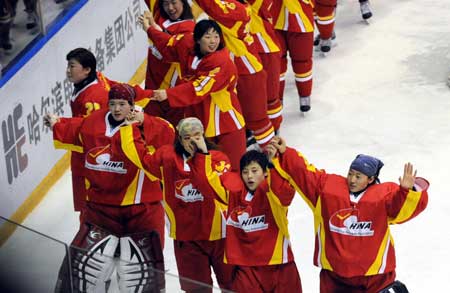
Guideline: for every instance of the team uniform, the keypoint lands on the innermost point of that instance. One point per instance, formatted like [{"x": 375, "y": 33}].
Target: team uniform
[
  {"x": 161, "y": 74},
  {"x": 294, "y": 26},
  {"x": 84, "y": 100},
  {"x": 261, "y": 27},
  {"x": 234, "y": 20},
  {"x": 123, "y": 206},
  {"x": 208, "y": 92},
  {"x": 345, "y": 225},
  {"x": 90, "y": 96},
  {"x": 194, "y": 220},
  {"x": 257, "y": 239}
]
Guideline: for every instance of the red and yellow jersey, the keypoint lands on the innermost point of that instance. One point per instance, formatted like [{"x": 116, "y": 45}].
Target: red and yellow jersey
[
  {"x": 234, "y": 20},
  {"x": 293, "y": 15},
  {"x": 92, "y": 97},
  {"x": 112, "y": 178},
  {"x": 162, "y": 74},
  {"x": 257, "y": 226},
  {"x": 209, "y": 90},
  {"x": 261, "y": 26},
  {"x": 191, "y": 214},
  {"x": 352, "y": 236}
]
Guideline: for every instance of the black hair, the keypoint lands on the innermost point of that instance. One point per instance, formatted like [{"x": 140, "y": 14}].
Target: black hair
[
  {"x": 86, "y": 59},
  {"x": 254, "y": 156},
  {"x": 187, "y": 12},
  {"x": 201, "y": 28}
]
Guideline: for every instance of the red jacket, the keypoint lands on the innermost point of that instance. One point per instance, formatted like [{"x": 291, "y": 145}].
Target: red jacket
[
  {"x": 209, "y": 90},
  {"x": 191, "y": 214},
  {"x": 257, "y": 226},
  {"x": 352, "y": 238},
  {"x": 113, "y": 178}
]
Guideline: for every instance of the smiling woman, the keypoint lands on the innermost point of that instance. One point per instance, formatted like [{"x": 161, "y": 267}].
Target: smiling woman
[{"x": 209, "y": 90}]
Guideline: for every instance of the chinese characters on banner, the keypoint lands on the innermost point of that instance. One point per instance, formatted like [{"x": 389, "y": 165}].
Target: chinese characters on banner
[{"x": 21, "y": 130}]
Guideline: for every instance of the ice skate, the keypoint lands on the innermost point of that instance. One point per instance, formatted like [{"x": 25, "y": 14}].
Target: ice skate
[
  {"x": 324, "y": 45},
  {"x": 366, "y": 12},
  {"x": 305, "y": 104}
]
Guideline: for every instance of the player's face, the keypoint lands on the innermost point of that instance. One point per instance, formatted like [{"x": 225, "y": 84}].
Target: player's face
[
  {"x": 209, "y": 42},
  {"x": 173, "y": 8},
  {"x": 75, "y": 72},
  {"x": 119, "y": 109},
  {"x": 357, "y": 181},
  {"x": 188, "y": 137},
  {"x": 253, "y": 175}
]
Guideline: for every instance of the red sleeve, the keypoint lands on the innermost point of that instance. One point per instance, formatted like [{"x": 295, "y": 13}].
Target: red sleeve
[
  {"x": 281, "y": 188},
  {"x": 402, "y": 204},
  {"x": 173, "y": 48},
  {"x": 157, "y": 131},
  {"x": 305, "y": 177},
  {"x": 207, "y": 171},
  {"x": 135, "y": 150},
  {"x": 66, "y": 134},
  {"x": 211, "y": 76}
]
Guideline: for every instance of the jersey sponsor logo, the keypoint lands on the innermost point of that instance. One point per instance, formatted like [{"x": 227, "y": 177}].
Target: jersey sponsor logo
[
  {"x": 186, "y": 192},
  {"x": 99, "y": 159},
  {"x": 241, "y": 218},
  {"x": 346, "y": 222}
]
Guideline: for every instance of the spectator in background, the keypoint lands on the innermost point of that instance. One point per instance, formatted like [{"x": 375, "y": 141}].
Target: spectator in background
[{"x": 6, "y": 15}]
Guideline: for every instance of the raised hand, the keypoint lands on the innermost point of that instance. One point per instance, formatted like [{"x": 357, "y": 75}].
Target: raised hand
[
  {"x": 279, "y": 143},
  {"x": 409, "y": 176},
  {"x": 50, "y": 120},
  {"x": 271, "y": 151},
  {"x": 200, "y": 143}
]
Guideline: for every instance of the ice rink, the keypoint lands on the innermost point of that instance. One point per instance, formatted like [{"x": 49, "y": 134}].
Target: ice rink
[{"x": 380, "y": 91}]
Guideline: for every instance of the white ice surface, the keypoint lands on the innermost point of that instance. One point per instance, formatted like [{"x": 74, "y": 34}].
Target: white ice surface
[{"x": 380, "y": 91}]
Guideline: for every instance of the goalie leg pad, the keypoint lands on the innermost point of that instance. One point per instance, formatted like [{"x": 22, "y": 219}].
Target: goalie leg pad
[
  {"x": 396, "y": 287},
  {"x": 141, "y": 265},
  {"x": 92, "y": 260}
]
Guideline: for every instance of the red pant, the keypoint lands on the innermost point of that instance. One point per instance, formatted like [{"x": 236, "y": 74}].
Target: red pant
[
  {"x": 233, "y": 145},
  {"x": 332, "y": 283},
  {"x": 125, "y": 220},
  {"x": 325, "y": 11},
  {"x": 271, "y": 63},
  {"x": 272, "y": 278},
  {"x": 300, "y": 47},
  {"x": 194, "y": 261}
]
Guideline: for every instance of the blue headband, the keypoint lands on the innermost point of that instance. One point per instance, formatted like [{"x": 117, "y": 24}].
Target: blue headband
[{"x": 367, "y": 165}]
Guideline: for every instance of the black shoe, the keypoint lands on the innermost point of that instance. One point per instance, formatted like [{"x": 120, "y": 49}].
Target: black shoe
[{"x": 7, "y": 46}]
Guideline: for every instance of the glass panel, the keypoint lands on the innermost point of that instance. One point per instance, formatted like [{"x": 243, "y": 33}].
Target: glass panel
[
  {"x": 170, "y": 282},
  {"x": 29, "y": 260},
  {"x": 24, "y": 23}
]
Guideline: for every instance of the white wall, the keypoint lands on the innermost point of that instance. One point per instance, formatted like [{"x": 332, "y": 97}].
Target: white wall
[{"x": 109, "y": 29}]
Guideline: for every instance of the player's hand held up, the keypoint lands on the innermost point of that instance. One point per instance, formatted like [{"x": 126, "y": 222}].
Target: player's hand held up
[
  {"x": 409, "y": 176},
  {"x": 279, "y": 143},
  {"x": 200, "y": 144}
]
